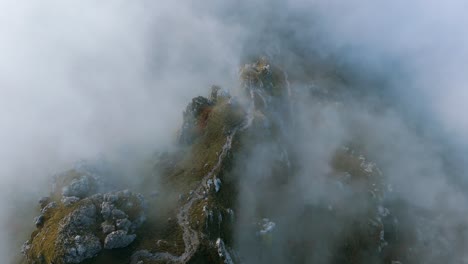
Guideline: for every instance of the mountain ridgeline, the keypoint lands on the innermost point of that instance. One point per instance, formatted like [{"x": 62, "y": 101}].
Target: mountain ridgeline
[{"x": 242, "y": 185}]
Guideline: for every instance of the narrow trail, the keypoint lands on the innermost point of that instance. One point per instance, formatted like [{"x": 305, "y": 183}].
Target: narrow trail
[{"x": 192, "y": 237}]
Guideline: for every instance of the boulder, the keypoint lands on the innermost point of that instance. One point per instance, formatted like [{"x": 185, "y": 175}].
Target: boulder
[
  {"x": 118, "y": 239},
  {"x": 78, "y": 187},
  {"x": 81, "y": 247},
  {"x": 69, "y": 231}
]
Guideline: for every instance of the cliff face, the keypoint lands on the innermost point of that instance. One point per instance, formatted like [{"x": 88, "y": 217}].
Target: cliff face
[
  {"x": 196, "y": 216},
  {"x": 215, "y": 130}
]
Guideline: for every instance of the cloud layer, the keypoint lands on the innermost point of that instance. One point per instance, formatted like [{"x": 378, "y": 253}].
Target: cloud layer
[{"x": 82, "y": 78}]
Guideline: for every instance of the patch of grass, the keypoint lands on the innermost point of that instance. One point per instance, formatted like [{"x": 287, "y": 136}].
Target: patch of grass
[
  {"x": 43, "y": 240},
  {"x": 180, "y": 173},
  {"x": 203, "y": 154}
]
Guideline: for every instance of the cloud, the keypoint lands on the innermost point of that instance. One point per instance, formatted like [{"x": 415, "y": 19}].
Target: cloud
[{"x": 81, "y": 78}]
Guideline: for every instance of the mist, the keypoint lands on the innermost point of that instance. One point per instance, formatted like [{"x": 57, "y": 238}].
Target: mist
[{"x": 82, "y": 79}]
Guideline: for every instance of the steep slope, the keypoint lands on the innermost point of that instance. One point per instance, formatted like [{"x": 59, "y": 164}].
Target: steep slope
[{"x": 196, "y": 214}]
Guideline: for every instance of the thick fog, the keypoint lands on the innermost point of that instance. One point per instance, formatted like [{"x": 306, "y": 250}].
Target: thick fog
[{"x": 81, "y": 79}]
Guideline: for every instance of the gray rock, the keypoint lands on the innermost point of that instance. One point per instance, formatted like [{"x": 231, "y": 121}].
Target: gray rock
[
  {"x": 111, "y": 197},
  {"x": 39, "y": 221},
  {"x": 77, "y": 233},
  {"x": 79, "y": 187},
  {"x": 118, "y": 239},
  {"x": 83, "y": 217},
  {"x": 123, "y": 224},
  {"x": 118, "y": 214},
  {"x": 223, "y": 253},
  {"x": 48, "y": 207},
  {"x": 81, "y": 248},
  {"x": 97, "y": 198},
  {"x": 107, "y": 227},
  {"x": 44, "y": 201},
  {"x": 25, "y": 247},
  {"x": 214, "y": 93},
  {"x": 106, "y": 209},
  {"x": 188, "y": 131},
  {"x": 67, "y": 201}
]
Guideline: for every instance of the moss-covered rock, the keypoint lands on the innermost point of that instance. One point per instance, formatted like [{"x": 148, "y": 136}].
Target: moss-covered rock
[{"x": 72, "y": 233}]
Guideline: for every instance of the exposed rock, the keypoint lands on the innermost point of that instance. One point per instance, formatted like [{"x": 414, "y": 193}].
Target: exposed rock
[
  {"x": 214, "y": 93},
  {"x": 266, "y": 226},
  {"x": 84, "y": 180},
  {"x": 201, "y": 224},
  {"x": 110, "y": 197},
  {"x": 79, "y": 187},
  {"x": 44, "y": 201},
  {"x": 25, "y": 247},
  {"x": 195, "y": 117},
  {"x": 83, "y": 217},
  {"x": 107, "y": 227},
  {"x": 217, "y": 184},
  {"x": 78, "y": 226},
  {"x": 118, "y": 239},
  {"x": 67, "y": 201},
  {"x": 123, "y": 224},
  {"x": 197, "y": 105},
  {"x": 81, "y": 247},
  {"x": 48, "y": 207},
  {"x": 106, "y": 210},
  {"x": 222, "y": 252},
  {"x": 39, "y": 220},
  {"x": 118, "y": 214}
]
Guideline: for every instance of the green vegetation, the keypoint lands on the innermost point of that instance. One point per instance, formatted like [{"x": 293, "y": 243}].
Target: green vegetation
[
  {"x": 44, "y": 244},
  {"x": 208, "y": 123}
]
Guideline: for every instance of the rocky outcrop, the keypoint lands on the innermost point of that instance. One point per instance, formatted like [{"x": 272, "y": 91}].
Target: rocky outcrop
[
  {"x": 193, "y": 212},
  {"x": 74, "y": 228},
  {"x": 118, "y": 239},
  {"x": 194, "y": 117},
  {"x": 89, "y": 219},
  {"x": 75, "y": 238}
]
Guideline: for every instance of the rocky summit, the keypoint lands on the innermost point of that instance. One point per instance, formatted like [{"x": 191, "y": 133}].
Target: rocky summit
[
  {"x": 200, "y": 203},
  {"x": 77, "y": 222}
]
